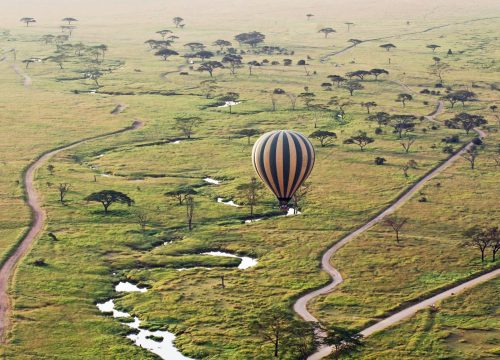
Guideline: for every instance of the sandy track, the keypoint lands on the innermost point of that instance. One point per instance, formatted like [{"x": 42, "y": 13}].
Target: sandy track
[
  {"x": 26, "y": 79},
  {"x": 37, "y": 224},
  {"x": 327, "y": 56},
  {"x": 300, "y": 306}
]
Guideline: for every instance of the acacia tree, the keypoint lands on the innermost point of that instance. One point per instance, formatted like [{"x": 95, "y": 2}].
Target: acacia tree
[
  {"x": 251, "y": 191},
  {"x": 396, "y": 223},
  {"x": 166, "y": 53},
  {"x": 327, "y": 31},
  {"x": 252, "y": 38},
  {"x": 109, "y": 197},
  {"x": 63, "y": 189},
  {"x": 368, "y": 105},
  {"x": 433, "y": 47},
  {"x": 248, "y": 133},
  {"x": 378, "y": 72},
  {"x": 325, "y": 137},
  {"x": 381, "y": 118},
  {"x": 411, "y": 164},
  {"x": 352, "y": 86},
  {"x": 470, "y": 154},
  {"x": 336, "y": 78},
  {"x": 482, "y": 239},
  {"x": 251, "y": 64},
  {"x": 230, "y": 99},
  {"x": 403, "y": 98},
  {"x": 208, "y": 86},
  {"x": 69, "y": 20},
  {"x": 343, "y": 341},
  {"x": 303, "y": 338},
  {"x": 309, "y": 16},
  {"x": 181, "y": 193},
  {"x": 190, "y": 204},
  {"x": 495, "y": 241},
  {"x": 402, "y": 124},
  {"x": 388, "y": 47},
  {"x": 300, "y": 195},
  {"x": 293, "y": 99},
  {"x": 164, "y": 33},
  {"x": 204, "y": 54},
  {"x": 142, "y": 219},
  {"x": 234, "y": 62},
  {"x": 349, "y": 24},
  {"x": 222, "y": 44},
  {"x": 465, "y": 121},
  {"x": 273, "y": 326},
  {"x": 186, "y": 124},
  {"x": 210, "y": 66},
  {"x": 361, "y": 139},
  {"x": 408, "y": 142},
  {"x": 28, "y": 20},
  {"x": 438, "y": 69},
  {"x": 177, "y": 21},
  {"x": 195, "y": 46},
  {"x": 49, "y": 38}
]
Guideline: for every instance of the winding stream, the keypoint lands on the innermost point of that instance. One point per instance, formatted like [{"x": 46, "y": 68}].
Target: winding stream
[{"x": 160, "y": 342}]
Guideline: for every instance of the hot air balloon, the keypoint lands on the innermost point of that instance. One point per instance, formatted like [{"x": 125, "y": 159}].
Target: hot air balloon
[{"x": 283, "y": 159}]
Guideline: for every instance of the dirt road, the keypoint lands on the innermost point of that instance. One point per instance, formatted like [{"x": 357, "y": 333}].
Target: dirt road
[
  {"x": 37, "y": 224},
  {"x": 300, "y": 306}
]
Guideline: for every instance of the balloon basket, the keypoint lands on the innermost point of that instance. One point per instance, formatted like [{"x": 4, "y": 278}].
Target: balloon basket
[{"x": 284, "y": 207}]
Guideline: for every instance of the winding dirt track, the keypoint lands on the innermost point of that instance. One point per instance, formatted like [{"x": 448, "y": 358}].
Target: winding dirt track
[
  {"x": 38, "y": 220},
  {"x": 327, "y": 56},
  {"x": 300, "y": 306}
]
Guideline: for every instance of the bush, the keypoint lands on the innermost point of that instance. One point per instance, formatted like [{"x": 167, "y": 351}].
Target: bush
[
  {"x": 448, "y": 149},
  {"x": 380, "y": 160},
  {"x": 454, "y": 139},
  {"x": 301, "y": 62},
  {"x": 477, "y": 141},
  {"x": 422, "y": 199},
  {"x": 379, "y": 131},
  {"x": 39, "y": 262}
]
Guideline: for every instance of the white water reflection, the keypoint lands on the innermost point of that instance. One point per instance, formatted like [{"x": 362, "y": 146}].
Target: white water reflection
[
  {"x": 164, "y": 348},
  {"x": 211, "y": 181},
  {"x": 291, "y": 212},
  {"x": 246, "y": 262},
  {"x": 229, "y": 103},
  {"x": 249, "y": 221},
  {"x": 230, "y": 203},
  {"x": 129, "y": 287}
]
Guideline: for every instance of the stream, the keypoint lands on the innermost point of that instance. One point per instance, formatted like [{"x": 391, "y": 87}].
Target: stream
[{"x": 160, "y": 342}]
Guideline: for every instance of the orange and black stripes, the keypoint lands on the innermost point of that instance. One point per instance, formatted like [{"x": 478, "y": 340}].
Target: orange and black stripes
[{"x": 283, "y": 159}]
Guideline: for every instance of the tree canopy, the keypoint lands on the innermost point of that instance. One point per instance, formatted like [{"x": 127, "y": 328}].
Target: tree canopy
[
  {"x": 250, "y": 38},
  {"x": 109, "y": 197}
]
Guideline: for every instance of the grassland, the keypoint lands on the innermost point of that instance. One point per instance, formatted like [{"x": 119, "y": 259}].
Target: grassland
[
  {"x": 464, "y": 327},
  {"x": 348, "y": 188}
]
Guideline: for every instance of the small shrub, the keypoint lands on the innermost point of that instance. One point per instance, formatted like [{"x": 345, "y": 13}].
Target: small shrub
[
  {"x": 477, "y": 141},
  {"x": 379, "y": 131},
  {"x": 453, "y": 139},
  {"x": 39, "y": 262},
  {"x": 448, "y": 149},
  {"x": 380, "y": 160},
  {"x": 422, "y": 199}
]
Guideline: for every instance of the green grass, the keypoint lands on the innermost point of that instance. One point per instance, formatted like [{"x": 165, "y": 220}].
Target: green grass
[
  {"x": 464, "y": 327},
  {"x": 54, "y": 306}
]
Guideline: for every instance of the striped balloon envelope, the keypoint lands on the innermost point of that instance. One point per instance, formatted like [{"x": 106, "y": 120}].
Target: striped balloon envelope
[{"x": 283, "y": 159}]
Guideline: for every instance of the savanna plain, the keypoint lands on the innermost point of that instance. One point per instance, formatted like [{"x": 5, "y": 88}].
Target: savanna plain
[{"x": 207, "y": 267}]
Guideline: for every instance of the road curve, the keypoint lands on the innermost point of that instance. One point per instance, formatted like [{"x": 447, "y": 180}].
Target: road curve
[
  {"x": 37, "y": 223},
  {"x": 300, "y": 306}
]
